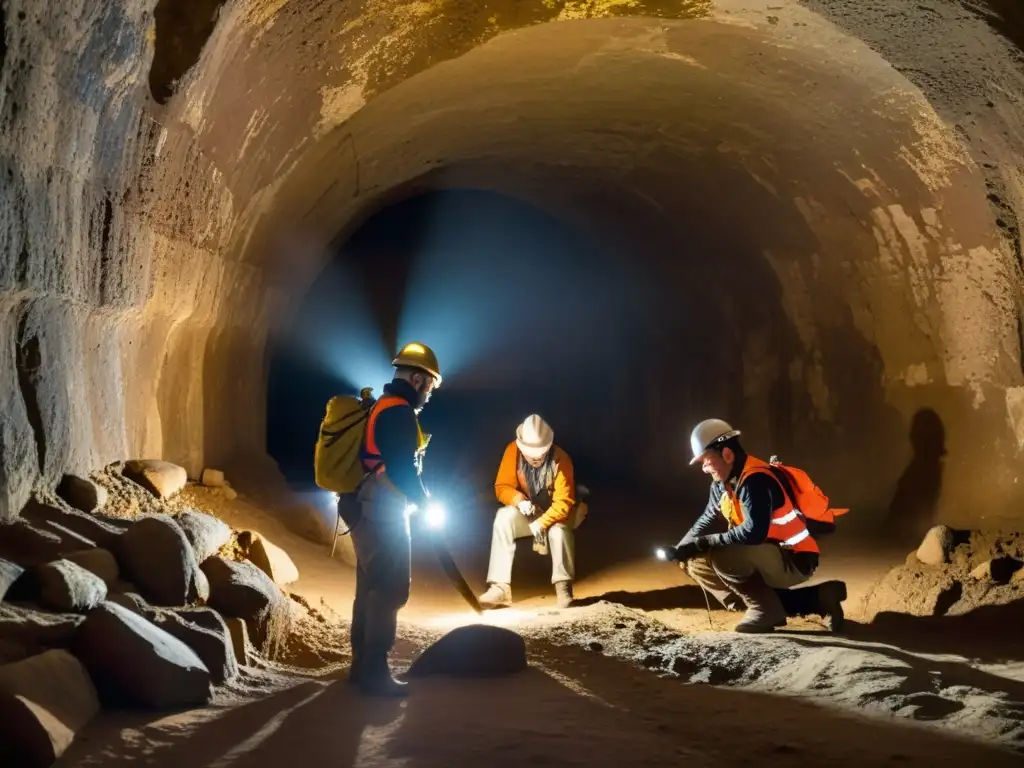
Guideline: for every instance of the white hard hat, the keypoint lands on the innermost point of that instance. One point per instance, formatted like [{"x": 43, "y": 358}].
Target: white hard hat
[
  {"x": 534, "y": 437},
  {"x": 708, "y": 434}
]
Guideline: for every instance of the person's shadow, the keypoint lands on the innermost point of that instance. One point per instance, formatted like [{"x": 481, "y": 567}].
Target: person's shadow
[{"x": 914, "y": 505}]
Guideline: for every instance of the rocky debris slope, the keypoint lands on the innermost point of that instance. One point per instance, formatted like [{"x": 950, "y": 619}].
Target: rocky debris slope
[
  {"x": 113, "y": 590},
  {"x": 955, "y": 573}
]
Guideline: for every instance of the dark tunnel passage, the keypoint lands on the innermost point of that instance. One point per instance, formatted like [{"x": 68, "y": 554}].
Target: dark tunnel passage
[{"x": 526, "y": 314}]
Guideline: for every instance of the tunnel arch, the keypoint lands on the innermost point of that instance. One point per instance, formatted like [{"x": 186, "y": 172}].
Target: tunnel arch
[
  {"x": 221, "y": 203},
  {"x": 817, "y": 333}
]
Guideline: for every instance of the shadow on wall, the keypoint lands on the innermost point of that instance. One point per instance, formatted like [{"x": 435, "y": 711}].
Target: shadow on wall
[{"x": 915, "y": 503}]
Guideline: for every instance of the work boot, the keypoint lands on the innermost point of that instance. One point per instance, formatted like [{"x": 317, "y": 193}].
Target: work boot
[
  {"x": 823, "y": 600},
  {"x": 375, "y": 678},
  {"x": 497, "y": 596},
  {"x": 764, "y": 609},
  {"x": 563, "y": 593},
  {"x": 355, "y": 668}
]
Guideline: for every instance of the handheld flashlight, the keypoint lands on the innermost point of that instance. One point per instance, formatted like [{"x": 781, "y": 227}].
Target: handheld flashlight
[
  {"x": 434, "y": 516},
  {"x": 661, "y": 554}
]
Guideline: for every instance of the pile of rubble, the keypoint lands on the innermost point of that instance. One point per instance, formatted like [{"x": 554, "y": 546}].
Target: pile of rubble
[
  {"x": 952, "y": 573},
  {"x": 146, "y": 604}
]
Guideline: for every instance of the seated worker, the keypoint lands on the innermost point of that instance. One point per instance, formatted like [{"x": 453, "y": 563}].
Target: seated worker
[
  {"x": 535, "y": 485},
  {"x": 767, "y": 549}
]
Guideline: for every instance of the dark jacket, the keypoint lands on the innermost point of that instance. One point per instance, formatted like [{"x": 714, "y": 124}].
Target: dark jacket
[
  {"x": 398, "y": 440},
  {"x": 759, "y": 496}
]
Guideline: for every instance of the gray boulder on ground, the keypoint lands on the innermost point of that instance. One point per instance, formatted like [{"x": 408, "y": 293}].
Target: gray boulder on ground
[
  {"x": 204, "y": 532},
  {"x": 82, "y": 494},
  {"x": 936, "y": 546},
  {"x": 213, "y": 646},
  {"x": 65, "y": 586},
  {"x": 98, "y": 561},
  {"x": 161, "y": 478},
  {"x": 135, "y": 603},
  {"x": 155, "y": 555},
  {"x": 244, "y": 591},
  {"x": 135, "y": 662},
  {"x": 9, "y": 573},
  {"x": 477, "y": 650},
  {"x": 45, "y": 701}
]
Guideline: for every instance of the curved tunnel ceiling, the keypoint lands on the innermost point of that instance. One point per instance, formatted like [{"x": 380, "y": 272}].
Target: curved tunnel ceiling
[{"x": 852, "y": 242}]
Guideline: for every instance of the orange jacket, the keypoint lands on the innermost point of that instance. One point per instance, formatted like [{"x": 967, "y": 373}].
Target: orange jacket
[{"x": 510, "y": 486}]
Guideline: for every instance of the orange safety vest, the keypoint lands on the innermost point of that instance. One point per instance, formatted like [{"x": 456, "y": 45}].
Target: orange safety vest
[
  {"x": 787, "y": 528},
  {"x": 373, "y": 462}
]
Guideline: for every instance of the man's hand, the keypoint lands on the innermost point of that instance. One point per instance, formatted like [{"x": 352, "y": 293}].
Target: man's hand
[
  {"x": 691, "y": 548},
  {"x": 540, "y": 533},
  {"x": 525, "y": 507}
]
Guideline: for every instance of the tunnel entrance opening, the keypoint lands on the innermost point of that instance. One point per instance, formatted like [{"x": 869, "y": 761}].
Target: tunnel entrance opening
[{"x": 525, "y": 313}]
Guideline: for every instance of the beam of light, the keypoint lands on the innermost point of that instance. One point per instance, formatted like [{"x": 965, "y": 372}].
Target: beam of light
[
  {"x": 501, "y": 292},
  {"x": 336, "y": 327},
  {"x": 503, "y": 617}
]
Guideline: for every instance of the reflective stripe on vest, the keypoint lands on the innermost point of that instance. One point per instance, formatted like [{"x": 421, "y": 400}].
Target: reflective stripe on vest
[
  {"x": 372, "y": 460},
  {"x": 787, "y": 528}
]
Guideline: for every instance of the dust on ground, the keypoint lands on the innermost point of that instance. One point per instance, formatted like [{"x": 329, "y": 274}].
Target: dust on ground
[{"x": 640, "y": 666}]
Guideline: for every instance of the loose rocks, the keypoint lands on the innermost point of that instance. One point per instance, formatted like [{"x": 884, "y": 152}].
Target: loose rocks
[
  {"x": 44, "y": 701},
  {"x": 155, "y": 555},
  {"x": 936, "y": 546},
  {"x": 243, "y": 590},
  {"x": 65, "y": 586},
  {"x": 135, "y": 662},
  {"x": 213, "y": 646},
  {"x": 272, "y": 560},
  {"x": 161, "y": 478},
  {"x": 82, "y": 494},
  {"x": 98, "y": 561},
  {"x": 204, "y": 532}
]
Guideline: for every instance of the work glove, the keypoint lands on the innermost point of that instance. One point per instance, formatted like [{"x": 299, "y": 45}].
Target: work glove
[
  {"x": 525, "y": 507},
  {"x": 540, "y": 533},
  {"x": 690, "y": 548}
]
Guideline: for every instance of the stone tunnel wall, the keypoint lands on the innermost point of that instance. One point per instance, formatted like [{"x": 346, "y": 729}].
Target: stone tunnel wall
[{"x": 136, "y": 285}]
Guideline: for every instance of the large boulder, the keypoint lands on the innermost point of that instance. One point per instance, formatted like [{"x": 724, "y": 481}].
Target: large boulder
[
  {"x": 270, "y": 558},
  {"x": 9, "y": 573},
  {"x": 204, "y": 532},
  {"x": 477, "y": 650},
  {"x": 135, "y": 662},
  {"x": 79, "y": 530},
  {"x": 36, "y": 630},
  {"x": 65, "y": 586},
  {"x": 161, "y": 478},
  {"x": 26, "y": 544},
  {"x": 211, "y": 641},
  {"x": 82, "y": 494},
  {"x": 155, "y": 555},
  {"x": 244, "y": 591},
  {"x": 45, "y": 701},
  {"x": 98, "y": 561},
  {"x": 937, "y": 545}
]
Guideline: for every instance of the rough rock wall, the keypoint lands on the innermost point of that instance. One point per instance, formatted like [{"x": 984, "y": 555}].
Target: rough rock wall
[{"x": 140, "y": 249}]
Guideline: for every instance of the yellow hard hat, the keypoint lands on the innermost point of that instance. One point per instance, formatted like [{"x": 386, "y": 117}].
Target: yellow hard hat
[{"x": 416, "y": 355}]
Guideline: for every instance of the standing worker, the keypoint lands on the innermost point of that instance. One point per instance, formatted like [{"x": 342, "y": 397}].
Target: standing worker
[
  {"x": 535, "y": 485},
  {"x": 768, "y": 548},
  {"x": 391, "y": 455}
]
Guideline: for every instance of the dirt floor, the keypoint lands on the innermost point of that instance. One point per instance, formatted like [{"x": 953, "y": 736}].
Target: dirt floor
[{"x": 637, "y": 673}]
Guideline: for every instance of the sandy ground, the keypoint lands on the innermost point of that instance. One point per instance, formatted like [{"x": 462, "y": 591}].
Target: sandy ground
[{"x": 633, "y": 675}]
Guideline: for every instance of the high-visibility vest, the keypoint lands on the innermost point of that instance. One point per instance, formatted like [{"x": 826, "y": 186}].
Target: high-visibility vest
[{"x": 787, "y": 529}]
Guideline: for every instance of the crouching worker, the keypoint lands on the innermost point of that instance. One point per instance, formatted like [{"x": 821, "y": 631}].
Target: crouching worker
[
  {"x": 768, "y": 548},
  {"x": 535, "y": 485}
]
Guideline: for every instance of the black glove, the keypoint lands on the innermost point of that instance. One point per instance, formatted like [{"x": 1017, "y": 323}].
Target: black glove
[{"x": 690, "y": 548}]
